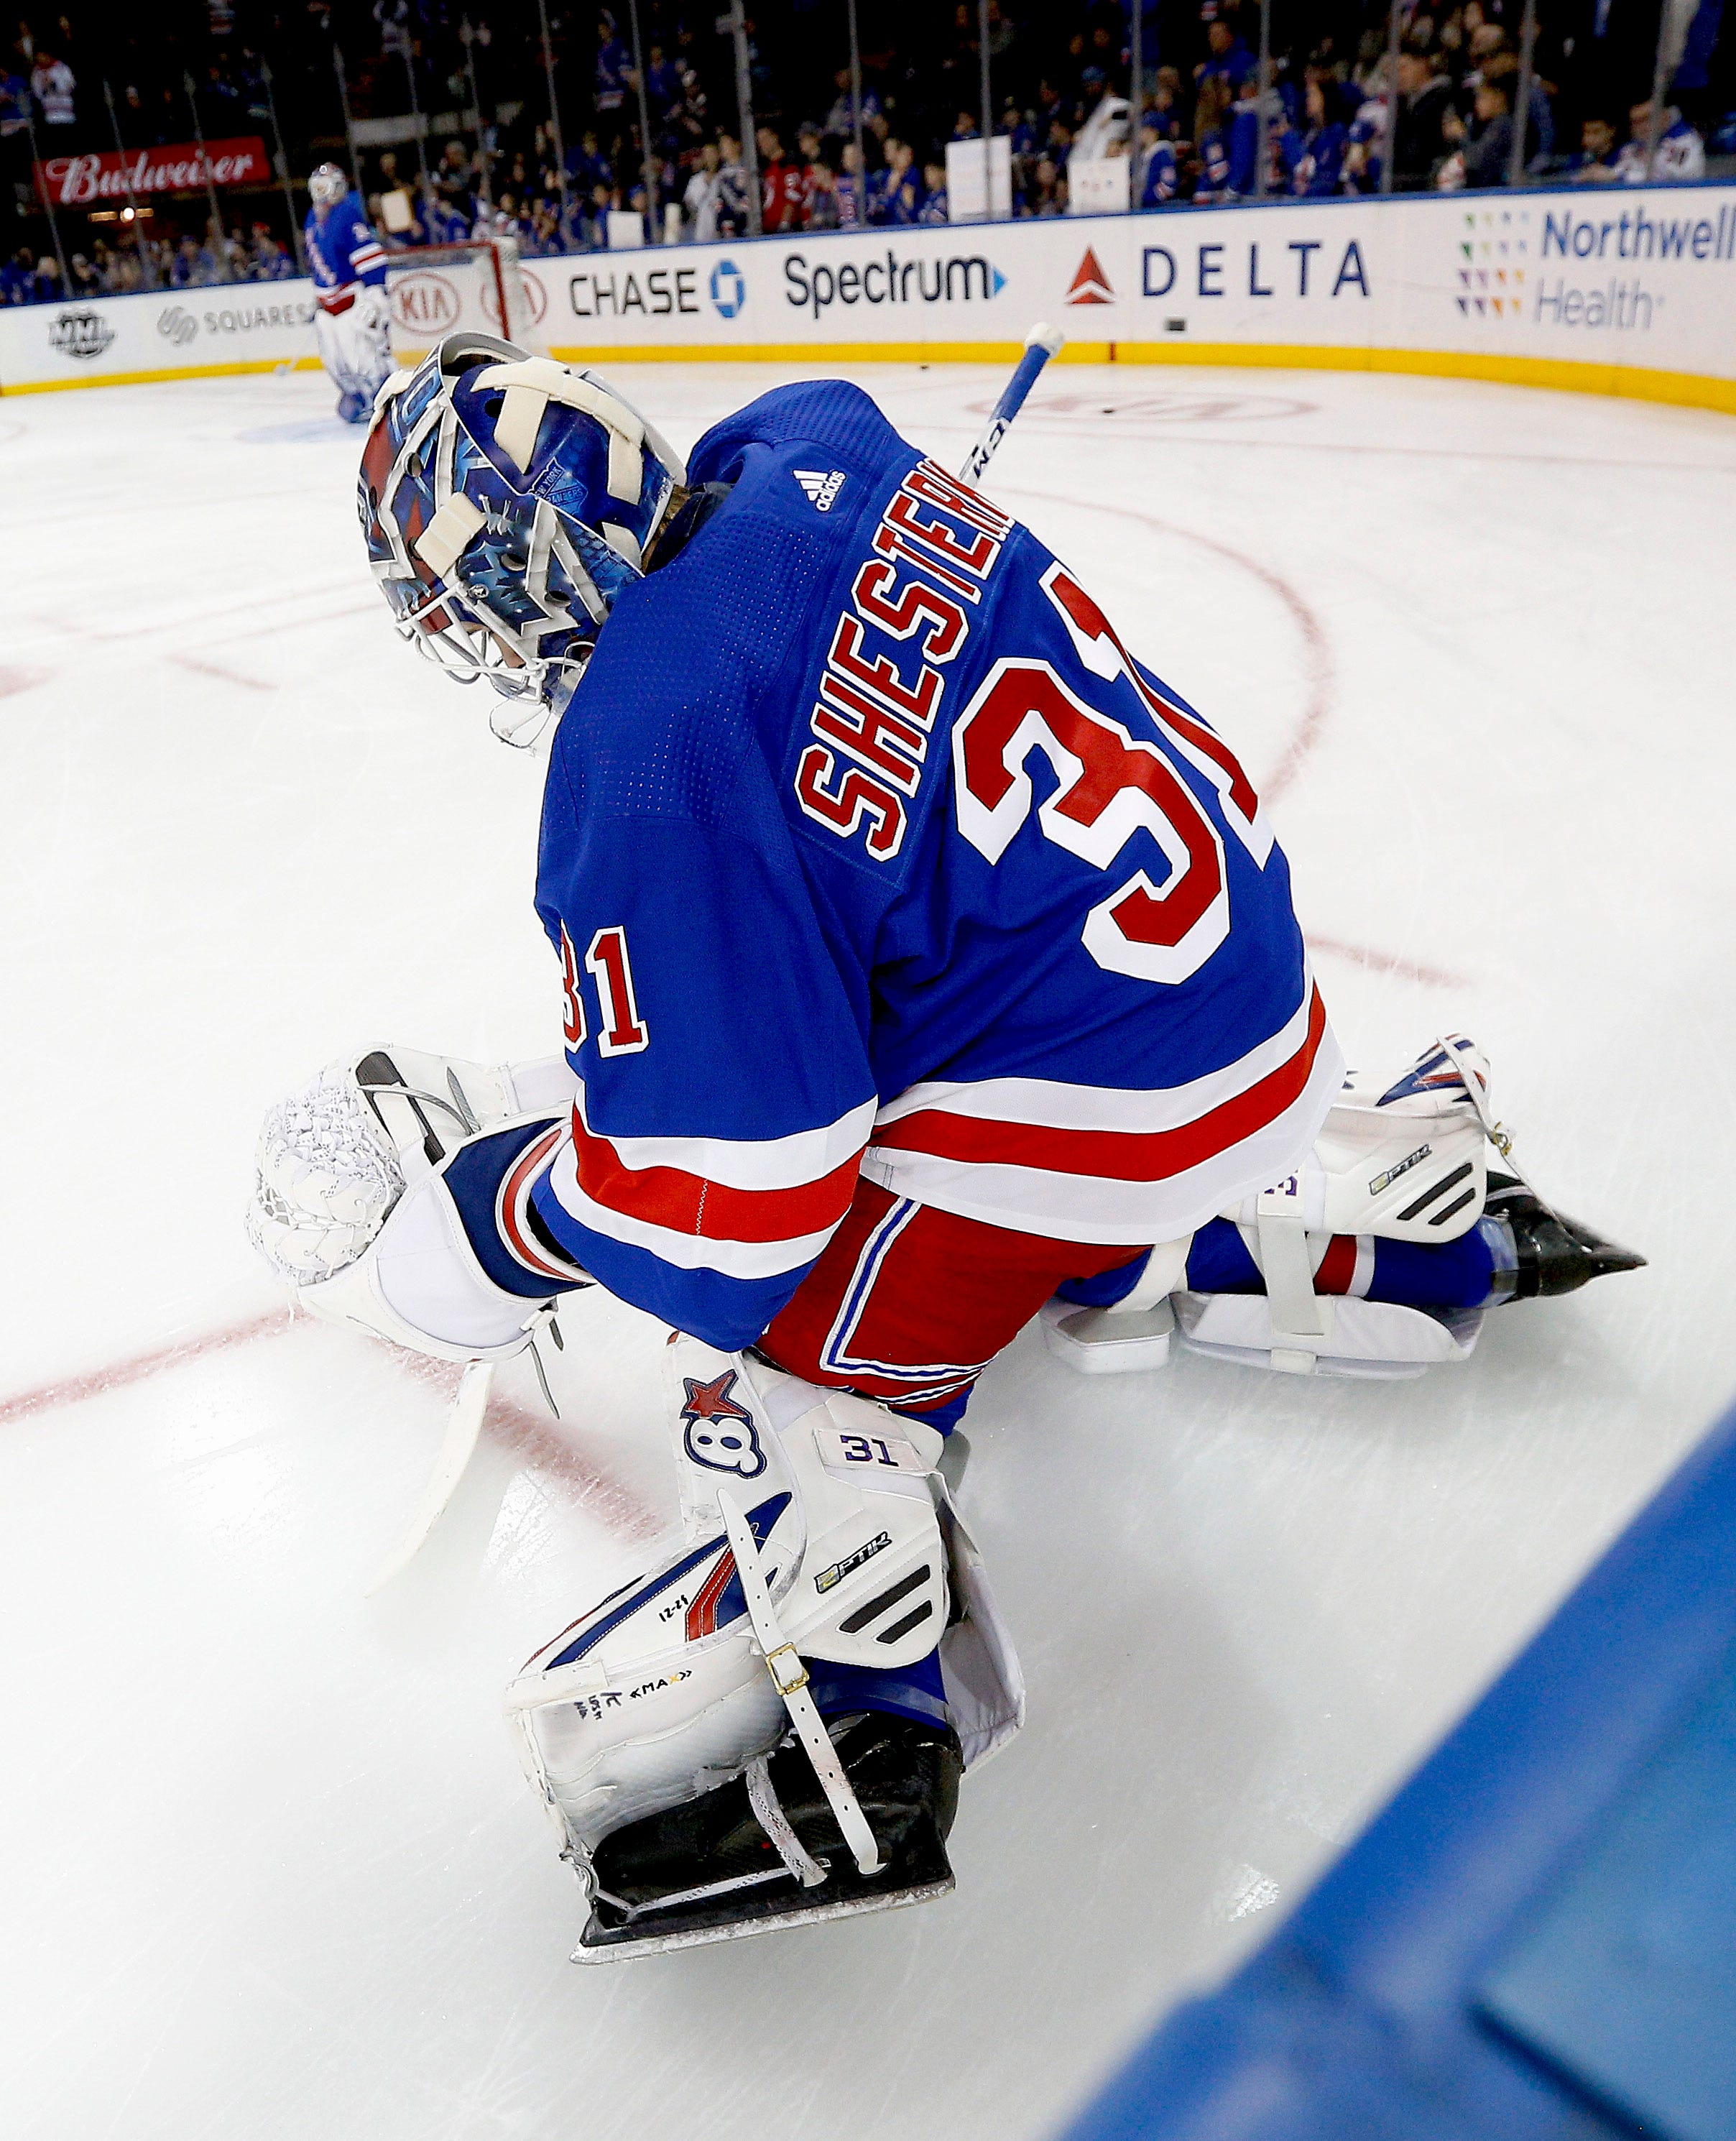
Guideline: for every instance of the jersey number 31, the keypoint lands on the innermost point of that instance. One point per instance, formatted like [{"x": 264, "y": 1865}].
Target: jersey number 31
[{"x": 1110, "y": 785}]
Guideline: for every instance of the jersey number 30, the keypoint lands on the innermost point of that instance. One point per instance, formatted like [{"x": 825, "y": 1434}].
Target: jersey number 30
[{"x": 1110, "y": 785}]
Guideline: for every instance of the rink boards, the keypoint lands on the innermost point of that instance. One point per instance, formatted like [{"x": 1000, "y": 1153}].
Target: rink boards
[{"x": 1604, "y": 290}]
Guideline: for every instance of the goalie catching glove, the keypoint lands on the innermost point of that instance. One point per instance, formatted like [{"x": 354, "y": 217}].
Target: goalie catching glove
[{"x": 393, "y": 1194}]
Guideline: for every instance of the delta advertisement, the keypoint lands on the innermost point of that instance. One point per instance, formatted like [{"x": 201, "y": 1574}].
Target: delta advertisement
[{"x": 1613, "y": 289}]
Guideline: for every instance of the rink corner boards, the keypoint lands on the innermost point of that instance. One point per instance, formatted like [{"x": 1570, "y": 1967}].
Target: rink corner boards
[
  {"x": 1631, "y": 382},
  {"x": 161, "y": 376}
]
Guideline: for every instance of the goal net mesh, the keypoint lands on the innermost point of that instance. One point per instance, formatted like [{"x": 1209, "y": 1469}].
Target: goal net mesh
[{"x": 475, "y": 284}]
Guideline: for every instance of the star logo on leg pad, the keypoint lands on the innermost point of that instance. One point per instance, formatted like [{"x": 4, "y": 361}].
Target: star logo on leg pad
[{"x": 720, "y": 1433}]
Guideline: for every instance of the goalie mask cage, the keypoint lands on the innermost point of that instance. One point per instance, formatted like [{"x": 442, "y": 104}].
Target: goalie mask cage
[{"x": 476, "y": 283}]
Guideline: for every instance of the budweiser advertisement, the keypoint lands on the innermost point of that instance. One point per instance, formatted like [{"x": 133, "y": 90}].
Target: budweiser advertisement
[{"x": 113, "y": 174}]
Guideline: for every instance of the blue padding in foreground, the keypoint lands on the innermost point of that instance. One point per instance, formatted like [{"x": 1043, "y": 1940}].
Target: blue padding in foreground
[
  {"x": 1535, "y": 1938},
  {"x": 1627, "y": 1977}
]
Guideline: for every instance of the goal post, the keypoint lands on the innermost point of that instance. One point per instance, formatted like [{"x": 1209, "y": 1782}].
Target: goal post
[{"x": 476, "y": 283}]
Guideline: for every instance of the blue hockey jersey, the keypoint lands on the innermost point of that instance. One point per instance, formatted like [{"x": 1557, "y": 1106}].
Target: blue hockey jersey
[
  {"x": 342, "y": 251},
  {"x": 867, "y": 848}
]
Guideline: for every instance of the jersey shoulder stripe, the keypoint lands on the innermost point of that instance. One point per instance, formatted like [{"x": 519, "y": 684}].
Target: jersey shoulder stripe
[{"x": 1108, "y": 1185}]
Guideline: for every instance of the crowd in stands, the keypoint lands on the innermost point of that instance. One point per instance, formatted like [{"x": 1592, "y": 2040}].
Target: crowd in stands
[{"x": 1323, "y": 118}]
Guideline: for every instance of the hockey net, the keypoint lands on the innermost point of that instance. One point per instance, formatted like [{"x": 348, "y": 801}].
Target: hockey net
[{"x": 477, "y": 283}]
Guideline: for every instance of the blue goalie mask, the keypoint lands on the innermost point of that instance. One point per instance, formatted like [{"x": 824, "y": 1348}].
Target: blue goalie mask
[{"x": 507, "y": 500}]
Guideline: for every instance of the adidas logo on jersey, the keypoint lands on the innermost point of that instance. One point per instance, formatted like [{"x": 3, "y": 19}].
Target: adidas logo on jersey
[{"x": 821, "y": 488}]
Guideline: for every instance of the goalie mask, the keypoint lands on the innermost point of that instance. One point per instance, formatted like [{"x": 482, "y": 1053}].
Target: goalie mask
[
  {"x": 327, "y": 187},
  {"x": 506, "y": 501}
]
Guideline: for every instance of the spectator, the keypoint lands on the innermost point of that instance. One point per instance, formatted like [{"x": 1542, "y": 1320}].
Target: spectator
[
  {"x": 699, "y": 202},
  {"x": 1487, "y": 153},
  {"x": 1211, "y": 115},
  {"x": 1366, "y": 146},
  {"x": 219, "y": 101},
  {"x": 14, "y": 107},
  {"x": 1163, "y": 104},
  {"x": 841, "y": 120},
  {"x": 18, "y": 278},
  {"x": 1598, "y": 160},
  {"x": 613, "y": 72},
  {"x": 848, "y": 187},
  {"x": 272, "y": 263},
  {"x": 52, "y": 86},
  {"x": 823, "y": 210},
  {"x": 1154, "y": 172},
  {"x": 780, "y": 185},
  {"x": 1242, "y": 141},
  {"x": 1681, "y": 153},
  {"x": 1311, "y": 156},
  {"x": 1229, "y": 60},
  {"x": 902, "y": 202},
  {"x": 1048, "y": 195},
  {"x": 451, "y": 177},
  {"x": 662, "y": 83},
  {"x": 732, "y": 196},
  {"x": 586, "y": 164},
  {"x": 1425, "y": 97},
  {"x": 934, "y": 208}
]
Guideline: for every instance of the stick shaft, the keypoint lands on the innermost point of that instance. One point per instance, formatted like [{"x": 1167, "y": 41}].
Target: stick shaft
[{"x": 1040, "y": 344}]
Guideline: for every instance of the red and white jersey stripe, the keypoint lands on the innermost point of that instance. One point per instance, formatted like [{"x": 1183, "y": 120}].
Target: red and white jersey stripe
[
  {"x": 1102, "y": 1164},
  {"x": 749, "y": 1208}
]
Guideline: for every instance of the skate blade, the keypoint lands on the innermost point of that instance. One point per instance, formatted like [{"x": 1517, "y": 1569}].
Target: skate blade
[{"x": 854, "y": 1907}]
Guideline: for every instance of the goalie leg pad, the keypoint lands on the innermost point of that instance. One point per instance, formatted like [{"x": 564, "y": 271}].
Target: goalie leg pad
[{"x": 663, "y": 1693}]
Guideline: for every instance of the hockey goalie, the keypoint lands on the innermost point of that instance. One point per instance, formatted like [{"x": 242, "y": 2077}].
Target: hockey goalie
[{"x": 926, "y": 964}]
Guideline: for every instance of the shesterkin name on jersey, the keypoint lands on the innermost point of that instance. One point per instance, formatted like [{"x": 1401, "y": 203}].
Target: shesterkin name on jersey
[{"x": 932, "y": 555}]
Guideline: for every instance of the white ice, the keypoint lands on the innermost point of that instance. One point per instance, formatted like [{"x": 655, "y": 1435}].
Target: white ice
[{"x": 268, "y": 1863}]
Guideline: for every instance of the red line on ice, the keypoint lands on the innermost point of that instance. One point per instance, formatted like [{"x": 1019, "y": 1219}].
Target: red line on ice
[
  {"x": 73, "y": 1389},
  {"x": 516, "y": 1427},
  {"x": 1386, "y": 962}
]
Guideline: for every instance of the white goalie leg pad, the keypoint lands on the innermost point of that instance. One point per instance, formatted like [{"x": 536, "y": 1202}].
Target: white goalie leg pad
[
  {"x": 350, "y": 1206},
  {"x": 1381, "y": 1339},
  {"x": 663, "y": 1690},
  {"x": 864, "y": 1527},
  {"x": 355, "y": 347},
  {"x": 1404, "y": 1160}
]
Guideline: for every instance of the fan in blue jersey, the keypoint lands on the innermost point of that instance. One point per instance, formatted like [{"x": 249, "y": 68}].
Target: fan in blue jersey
[
  {"x": 353, "y": 321},
  {"x": 926, "y": 964}
]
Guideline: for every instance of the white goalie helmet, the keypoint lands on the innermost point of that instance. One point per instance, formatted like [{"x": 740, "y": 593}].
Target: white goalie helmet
[
  {"x": 506, "y": 501},
  {"x": 327, "y": 186}
]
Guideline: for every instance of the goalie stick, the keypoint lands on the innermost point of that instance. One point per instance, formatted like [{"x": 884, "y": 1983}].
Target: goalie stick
[{"x": 1042, "y": 342}]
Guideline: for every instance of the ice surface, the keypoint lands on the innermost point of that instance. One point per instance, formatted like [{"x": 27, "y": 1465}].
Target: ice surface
[{"x": 269, "y": 1866}]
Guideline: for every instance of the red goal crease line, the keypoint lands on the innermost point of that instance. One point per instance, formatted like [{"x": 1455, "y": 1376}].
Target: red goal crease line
[
  {"x": 139, "y": 1367},
  {"x": 612, "y": 1499}
]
